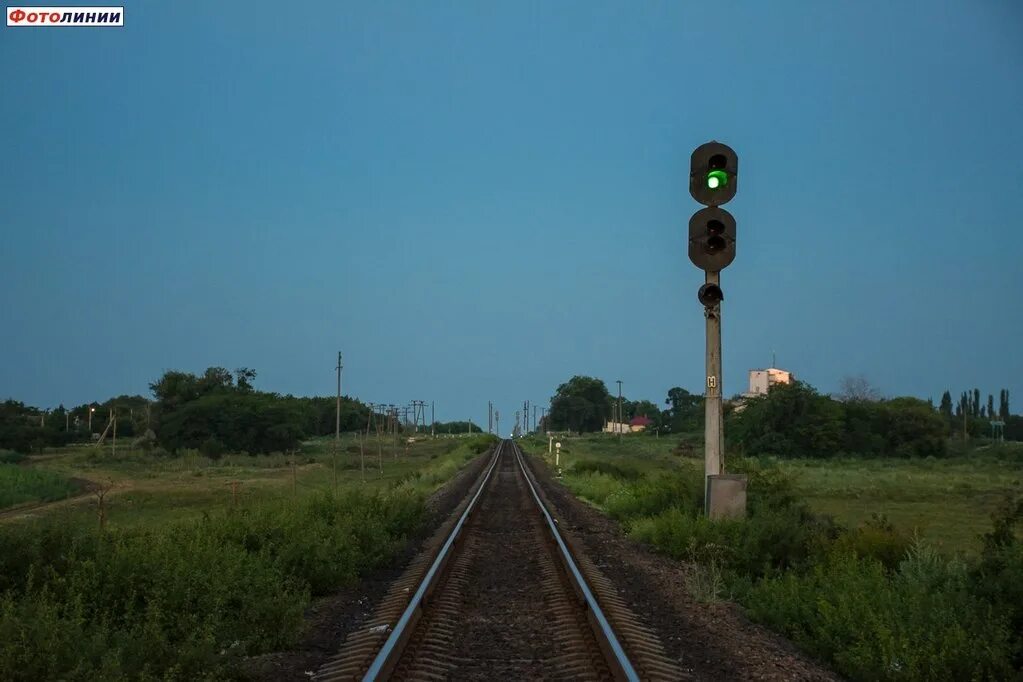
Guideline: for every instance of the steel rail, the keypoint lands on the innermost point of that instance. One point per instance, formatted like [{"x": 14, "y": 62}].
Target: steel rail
[
  {"x": 398, "y": 633},
  {"x": 606, "y": 631}
]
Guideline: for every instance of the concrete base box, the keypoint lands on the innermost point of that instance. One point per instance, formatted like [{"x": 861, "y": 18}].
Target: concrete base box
[{"x": 726, "y": 496}]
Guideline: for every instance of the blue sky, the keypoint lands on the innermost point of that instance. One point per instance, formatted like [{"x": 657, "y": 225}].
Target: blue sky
[{"x": 475, "y": 201}]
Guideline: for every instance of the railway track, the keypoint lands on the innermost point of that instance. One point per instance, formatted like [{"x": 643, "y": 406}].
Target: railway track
[{"x": 499, "y": 593}]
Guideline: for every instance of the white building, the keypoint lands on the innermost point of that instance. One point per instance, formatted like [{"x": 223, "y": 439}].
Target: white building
[
  {"x": 616, "y": 427},
  {"x": 761, "y": 380}
]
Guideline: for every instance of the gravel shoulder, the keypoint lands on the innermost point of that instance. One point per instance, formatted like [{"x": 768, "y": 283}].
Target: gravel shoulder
[{"x": 710, "y": 641}]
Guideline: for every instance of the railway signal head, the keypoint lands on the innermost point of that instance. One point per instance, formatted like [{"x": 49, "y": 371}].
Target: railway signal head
[
  {"x": 710, "y": 295},
  {"x": 713, "y": 179},
  {"x": 713, "y": 174},
  {"x": 712, "y": 239}
]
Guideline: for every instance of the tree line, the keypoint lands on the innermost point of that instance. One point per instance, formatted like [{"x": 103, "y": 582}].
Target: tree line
[
  {"x": 220, "y": 411},
  {"x": 583, "y": 404},
  {"x": 796, "y": 420},
  {"x": 969, "y": 416},
  {"x": 216, "y": 411}
]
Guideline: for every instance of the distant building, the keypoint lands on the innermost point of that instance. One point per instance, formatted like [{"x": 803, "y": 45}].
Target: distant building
[
  {"x": 761, "y": 380},
  {"x": 616, "y": 427},
  {"x": 640, "y": 423},
  {"x": 760, "y": 383}
]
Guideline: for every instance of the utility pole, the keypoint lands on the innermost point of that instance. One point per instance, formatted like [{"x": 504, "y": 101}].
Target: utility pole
[
  {"x": 362, "y": 456},
  {"x": 337, "y": 421},
  {"x": 534, "y": 417},
  {"x": 490, "y": 416},
  {"x": 497, "y": 423},
  {"x": 433, "y": 421},
  {"x": 394, "y": 433},
  {"x": 713, "y": 179},
  {"x": 380, "y": 442},
  {"x": 618, "y": 424}
]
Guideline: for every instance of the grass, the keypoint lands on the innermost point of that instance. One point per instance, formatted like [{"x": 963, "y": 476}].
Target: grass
[
  {"x": 869, "y": 598},
  {"x": 186, "y": 579},
  {"x": 20, "y": 485},
  {"x": 947, "y": 502},
  {"x": 148, "y": 489},
  {"x": 186, "y": 599}
]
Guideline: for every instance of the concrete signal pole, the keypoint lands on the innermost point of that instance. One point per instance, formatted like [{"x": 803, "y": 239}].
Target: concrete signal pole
[
  {"x": 713, "y": 428},
  {"x": 337, "y": 420}
]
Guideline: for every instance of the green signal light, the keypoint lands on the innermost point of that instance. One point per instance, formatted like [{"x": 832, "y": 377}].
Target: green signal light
[{"x": 717, "y": 179}]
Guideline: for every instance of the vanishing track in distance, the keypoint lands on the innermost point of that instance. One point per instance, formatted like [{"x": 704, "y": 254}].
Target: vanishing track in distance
[{"x": 499, "y": 594}]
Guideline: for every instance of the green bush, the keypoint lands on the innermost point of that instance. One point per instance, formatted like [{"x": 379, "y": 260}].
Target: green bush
[
  {"x": 593, "y": 486},
  {"x": 480, "y": 444},
  {"x": 998, "y": 575},
  {"x": 625, "y": 473},
  {"x": 188, "y": 600},
  {"x": 212, "y": 448},
  {"x": 151, "y": 603},
  {"x": 764, "y": 544},
  {"x": 876, "y": 539},
  {"x": 685, "y": 535},
  {"x": 793, "y": 420},
  {"x": 652, "y": 495},
  {"x": 768, "y": 486},
  {"x": 922, "y": 623},
  {"x": 11, "y": 457}
]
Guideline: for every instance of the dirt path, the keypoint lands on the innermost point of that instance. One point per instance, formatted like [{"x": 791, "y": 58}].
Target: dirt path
[{"x": 85, "y": 489}]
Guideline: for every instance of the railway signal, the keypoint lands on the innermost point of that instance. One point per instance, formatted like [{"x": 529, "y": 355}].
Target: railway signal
[
  {"x": 713, "y": 181},
  {"x": 712, "y": 239},
  {"x": 713, "y": 174}
]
